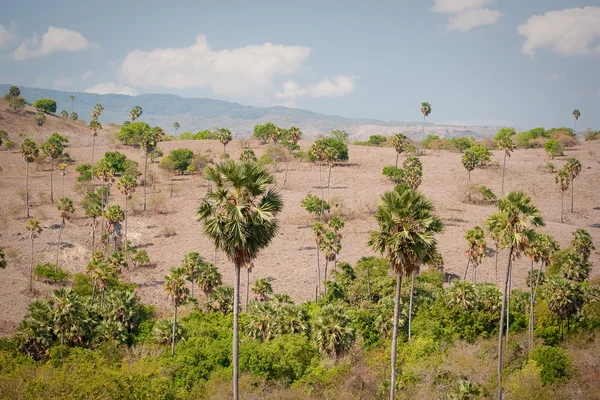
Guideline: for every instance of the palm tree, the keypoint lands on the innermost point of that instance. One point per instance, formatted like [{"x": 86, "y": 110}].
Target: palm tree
[
  {"x": 274, "y": 134},
  {"x": 93, "y": 269},
  {"x": 126, "y": 186},
  {"x": 239, "y": 216},
  {"x": 331, "y": 246},
  {"x": 576, "y": 115},
  {"x": 148, "y": 142},
  {"x": 34, "y": 228},
  {"x": 294, "y": 134},
  {"x": 208, "y": 277},
  {"x": 29, "y": 152},
  {"x": 135, "y": 113},
  {"x": 401, "y": 144},
  {"x": 191, "y": 264},
  {"x": 249, "y": 269},
  {"x": 65, "y": 206},
  {"x": 262, "y": 289},
  {"x": 318, "y": 152},
  {"x": 62, "y": 167},
  {"x": 106, "y": 274},
  {"x": 93, "y": 211},
  {"x": 318, "y": 231},
  {"x": 413, "y": 172},
  {"x": 176, "y": 126},
  {"x": 333, "y": 332},
  {"x": 94, "y": 127},
  {"x": 407, "y": 225},
  {"x": 178, "y": 293},
  {"x": 564, "y": 297},
  {"x": 66, "y": 310},
  {"x": 72, "y": 101},
  {"x": 476, "y": 249},
  {"x": 425, "y": 110},
  {"x": 573, "y": 167},
  {"x": 113, "y": 217},
  {"x": 562, "y": 179},
  {"x": 508, "y": 146},
  {"x": 511, "y": 222},
  {"x": 53, "y": 147},
  {"x": 224, "y": 136},
  {"x": 582, "y": 244}
]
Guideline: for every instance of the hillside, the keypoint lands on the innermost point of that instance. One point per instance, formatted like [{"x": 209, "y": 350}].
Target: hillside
[{"x": 194, "y": 114}]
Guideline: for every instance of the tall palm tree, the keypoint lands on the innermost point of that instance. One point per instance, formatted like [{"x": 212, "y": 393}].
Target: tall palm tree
[
  {"x": 413, "y": 172},
  {"x": 94, "y": 270},
  {"x": 573, "y": 166},
  {"x": 407, "y": 225},
  {"x": 239, "y": 216},
  {"x": 94, "y": 211},
  {"x": 401, "y": 144},
  {"x": 475, "y": 250},
  {"x": 330, "y": 246},
  {"x": 126, "y": 186},
  {"x": 148, "y": 142},
  {"x": 515, "y": 214},
  {"x": 66, "y": 311},
  {"x": 72, "y": 101},
  {"x": 176, "y": 126},
  {"x": 249, "y": 269},
  {"x": 113, "y": 218},
  {"x": 53, "y": 147},
  {"x": 582, "y": 243},
  {"x": 318, "y": 231},
  {"x": 34, "y": 228},
  {"x": 294, "y": 134},
  {"x": 331, "y": 156},
  {"x": 29, "y": 152},
  {"x": 318, "y": 152},
  {"x": 274, "y": 134},
  {"x": 135, "y": 113},
  {"x": 508, "y": 146},
  {"x": 191, "y": 263},
  {"x": 563, "y": 179},
  {"x": 178, "y": 293},
  {"x": 95, "y": 126},
  {"x": 65, "y": 206},
  {"x": 576, "y": 115},
  {"x": 425, "y": 110}
]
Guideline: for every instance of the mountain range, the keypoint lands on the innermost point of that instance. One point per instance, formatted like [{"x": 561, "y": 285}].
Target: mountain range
[{"x": 194, "y": 114}]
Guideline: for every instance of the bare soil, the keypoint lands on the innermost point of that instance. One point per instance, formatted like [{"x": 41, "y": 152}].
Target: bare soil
[{"x": 169, "y": 230}]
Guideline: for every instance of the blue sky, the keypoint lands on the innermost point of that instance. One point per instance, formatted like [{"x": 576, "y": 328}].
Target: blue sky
[{"x": 511, "y": 62}]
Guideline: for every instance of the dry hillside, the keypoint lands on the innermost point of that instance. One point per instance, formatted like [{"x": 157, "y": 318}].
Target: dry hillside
[{"x": 169, "y": 230}]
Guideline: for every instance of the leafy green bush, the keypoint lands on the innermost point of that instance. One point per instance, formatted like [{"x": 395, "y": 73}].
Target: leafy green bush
[
  {"x": 314, "y": 205},
  {"x": 376, "y": 140},
  {"x": 181, "y": 158},
  {"x": 592, "y": 135},
  {"x": 141, "y": 259},
  {"x": 132, "y": 133},
  {"x": 553, "y": 148},
  {"x": 48, "y": 272},
  {"x": 45, "y": 105},
  {"x": 553, "y": 362}
]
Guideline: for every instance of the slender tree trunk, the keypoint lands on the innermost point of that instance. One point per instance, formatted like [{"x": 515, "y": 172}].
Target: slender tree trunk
[
  {"x": 127, "y": 245},
  {"x": 467, "y": 269},
  {"x": 320, "y": 184},
  {"x": 318, "y": 271},
  {"x": 171, "y": 184},
  {"x": 496, "y": 267},
  {"x": 474, "y": 273},
  {"x": 508, "y": 301},
  {"x": 287, "y": 167},
  {"x": 63, "y": 185},
  {"x": 247, "y": 287},
  {"x": 236, "y": 308},
  {"x": 31, "y": 269},
  {"x": 93, "y": 238},
  {"x": 326, "y": 266},
  {"x": 58, "y": 245},
  {"x": 410, "y": 305},
  {"x": 501, "y": 328},
  {"x": 51, "y": 180},
  {"x": 395, "y": 335},
  {"x": 396, "y": 169},
  {"x": 503, "y": 167},
  {"x": 369, "y": 282},
  {"x": 328, "y": 186},
  {"x": 27, "y": 188},
  {"x": 572, "y": 195},
  {"x": 146, "y": 178},
  {"x": 93, "y": 148},
  {"x": 562, "y": 204},
  {"x": 530, "y": 327},
  {"x": 224, "y": 148},
  {"x": 174, "y": 328}
]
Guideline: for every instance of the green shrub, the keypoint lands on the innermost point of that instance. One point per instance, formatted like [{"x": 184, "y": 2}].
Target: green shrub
[
  {"x": 376, "y": 140},
  {"x": 391, "y": 171},
  {"x": 592, "y": 135},
  {"x": 82, "y": 284},
  {"x": 204, "y": 135},
  {"x": 141, "y": 259},
  {"x": 313, "y": 204},
  {"x": 553, "y": 363},
  {"x": 47, "y": 272},
  {"x": 553, "y": 148},
  {"x": 45, "y": 105}
]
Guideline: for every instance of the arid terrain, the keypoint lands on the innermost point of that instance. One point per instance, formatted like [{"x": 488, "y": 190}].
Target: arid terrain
[{"x": 169, "y": 230}]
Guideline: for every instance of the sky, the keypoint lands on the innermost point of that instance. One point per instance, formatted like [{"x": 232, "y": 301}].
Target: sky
[{"x": 521, "y": 63}]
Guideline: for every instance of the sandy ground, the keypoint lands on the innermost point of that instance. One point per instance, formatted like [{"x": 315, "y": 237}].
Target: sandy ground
[{"x": 290, "y": 261}]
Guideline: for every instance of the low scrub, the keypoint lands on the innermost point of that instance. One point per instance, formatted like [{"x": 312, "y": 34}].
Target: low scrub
[{"x": 49, "y": 273}]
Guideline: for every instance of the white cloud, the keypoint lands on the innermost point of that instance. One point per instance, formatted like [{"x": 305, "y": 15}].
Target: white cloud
[
  {"x": 87, "y": 75},
  {"x": 455, "y": 6},
  {"x": 340, "y": 86},
  {"x": 56, "y": 39},
  {"x": 111, "y": 87},
  {"x": 237, "y": 71},
  {"x": 573, "y": 31},
  {"x": 467, "y": 20},
  {"x": 7, "y": 35}
]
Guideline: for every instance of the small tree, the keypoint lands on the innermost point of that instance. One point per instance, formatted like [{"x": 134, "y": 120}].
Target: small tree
[
  {"x": 34, "y": 228},
  {"x": 425, "y": 110},
  {"x": 333, "y": 331},
  {"x": 178, "y": 294},
  {"x": 576, "y": 115},
  {"x": 314, "y": 205},
  {"x": 29, "y": 152},
  {"x": 401, "y": 144},
  {"x": 113, "y": 218},
  {"x": 45, "y": 105},
  {"x": 176, "y": 126},
  {"x": 553, "y": 148},
  {"x": 224, "y": 136},
  {"x": 562, "y": 179},
  {"x": 476, "y": 250},
  {"x": 65, "y": 206},
  {"x": 262, "y": 289},
  {"x": 506, "y": 144},
  {"x": 135, "y": 113},
  {"x": 39, "y": 118},
  {"x": 74, "y": 116},
  {"x": 53, "y": 147},
  {"x": 208, "y": 277},
  {"x": 191, "y": 264},
  {"x": 127, "y": 185},
  {"x": 182, "y": 159}
]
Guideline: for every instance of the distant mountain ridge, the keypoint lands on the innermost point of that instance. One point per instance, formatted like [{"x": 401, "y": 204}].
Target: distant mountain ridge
[{"x": 194, "y": 114}]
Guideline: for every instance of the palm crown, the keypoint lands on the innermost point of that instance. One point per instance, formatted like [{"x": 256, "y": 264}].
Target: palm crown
[{"x": 425, "y": 108}]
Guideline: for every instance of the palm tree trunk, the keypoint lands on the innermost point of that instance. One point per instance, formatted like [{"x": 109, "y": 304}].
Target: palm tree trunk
[
  {"x": 58, "y": 245},
  {"x": 287, "y": 167},
  {"x": 410, "y": 304},
  {"x": 562, "y": 204},
  {"x": 93, "y": 238},
  {"x": 395, "y": 335},
  {"x": 146, "y": 178},
  {"x": 496, "y": 267},
  {"x": 396, "y": 169},
  {"x": 63, "y": 185},
  {"x": 320, "y": 184},
  {"x": 501, "y": 329},
  {"x": 236, "y": 308},
  {"x": 318, "y": 271},
  {"x": 31, "y": 269},
  {"x": 467, "y": 269},
  {"x": 328, "y": 186},
  {"x": 51, "y": 180},
  {"x": 247, "y": 287},
  {"x": 62, "y": 336},
  {"x": 326, "y": 266},
  {"x": 503, "y": 167},
  {"x": 530, "y": 325},
  {"x": 174, "y": 328},
  {"x": 508, "y": 301},
  {"x": 474, "y": 273},
  {"x": 27, "y": 187},
  {"x": 93, "y": 148},
  {"x": 572, "y": 195}
]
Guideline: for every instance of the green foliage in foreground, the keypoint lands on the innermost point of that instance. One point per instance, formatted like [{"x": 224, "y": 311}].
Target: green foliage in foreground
[{"x": 49, "y": 272}]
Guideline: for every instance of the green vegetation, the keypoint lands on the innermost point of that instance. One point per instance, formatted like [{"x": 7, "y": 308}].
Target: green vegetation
[
  {"x": 45, "y": 105},
  {"x": 553, "y": 148},
  {"x": 51, "y": 273}
]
